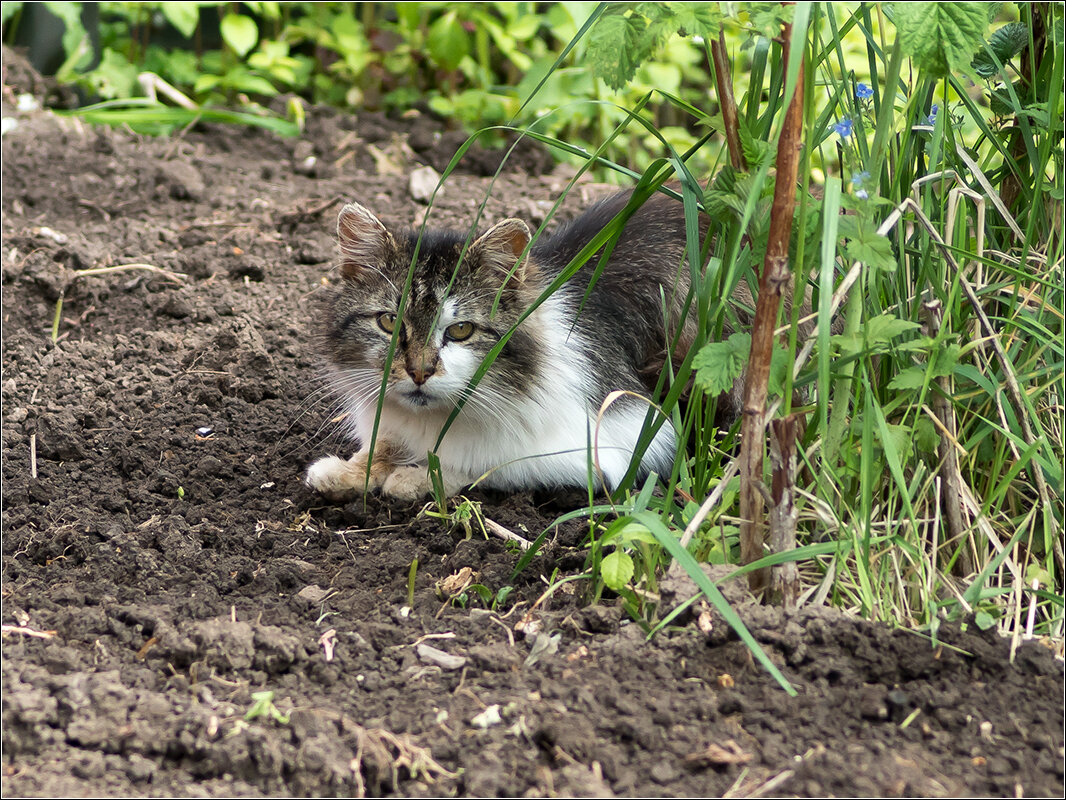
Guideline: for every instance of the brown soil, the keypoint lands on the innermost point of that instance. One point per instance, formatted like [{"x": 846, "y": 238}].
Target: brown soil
[{"x": 177, "y": 573}]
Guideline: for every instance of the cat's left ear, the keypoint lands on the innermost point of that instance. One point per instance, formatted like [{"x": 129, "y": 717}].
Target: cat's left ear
[
  {"x": 363, "y": 239},
  {"x": 501, "y": 247}
]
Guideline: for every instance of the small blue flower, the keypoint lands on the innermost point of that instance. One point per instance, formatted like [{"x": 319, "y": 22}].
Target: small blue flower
[
  {"x": 863, "y": 92},
  {"x": 859, "y": 181},
  {"x": 931, "y": 119},
  {"x": 843, "y": 128}
]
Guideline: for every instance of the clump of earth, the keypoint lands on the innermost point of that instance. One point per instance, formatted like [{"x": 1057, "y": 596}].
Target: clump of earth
[{"x": 182, "y": 616}]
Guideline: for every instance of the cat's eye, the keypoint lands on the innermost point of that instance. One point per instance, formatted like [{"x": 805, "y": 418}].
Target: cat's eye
[
  {"x": 387, "y": 322},
  {"x": 460, "y": 331}
]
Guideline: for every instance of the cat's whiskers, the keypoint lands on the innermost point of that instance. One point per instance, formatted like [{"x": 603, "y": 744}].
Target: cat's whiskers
[
  {"x": 306, "y": 406},
  {"x": 331, "y": 423},
  {"x": 493, "y": 406}
]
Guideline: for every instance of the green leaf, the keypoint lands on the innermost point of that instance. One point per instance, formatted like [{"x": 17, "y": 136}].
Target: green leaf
[
  {"x": 635, "y": 532},
  {"x": 183, "y": 16},
  {"x": 885, "y": 328},
  {"x": 984, "y": 620},
  {"x": 448, "y": 41},
  {"x": 767, "y": 18},
  {"x": 901, "y": 440},
  {"x": 240, "y": 33},
  {"x": 252, "y": 84},
  {"x": 910, "y": 378},
  {"x": 1036, "y": 572},
  {"x": 876, "y": 334},
  {"x": 114, "y": 77},
  {"x": 947, "y": 358},
  {"x": 206, "y": 83},
  {"x": 865, "y": 244},
  {"x": 941, "y": 38},
  {"x": 876, "y": 252},
  {"x": 926, "y": 435},
  {"x": 1006, "y": 43},
  {"x": 613, "y": 47},
  {"x": 697, "y": 19},
  {"x": 616, "y": 569},
  {"x": 780, "y": 364},
  {"x": 756, "y": 151},
  {"x": 351, "y": 40},
  {"x": 718, "y": 364}
]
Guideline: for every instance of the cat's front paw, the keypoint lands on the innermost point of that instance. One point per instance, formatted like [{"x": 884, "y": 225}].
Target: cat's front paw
[
  {"x": 339, "y": 479},
  {"x": 407, "y": 483}
]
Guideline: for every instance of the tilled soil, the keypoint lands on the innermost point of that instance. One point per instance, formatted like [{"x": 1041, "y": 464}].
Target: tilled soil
[{"x": 163, "y": 563}]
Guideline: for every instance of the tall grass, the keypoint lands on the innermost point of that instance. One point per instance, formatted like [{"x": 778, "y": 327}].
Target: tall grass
[{"x": 929, "y": 226}]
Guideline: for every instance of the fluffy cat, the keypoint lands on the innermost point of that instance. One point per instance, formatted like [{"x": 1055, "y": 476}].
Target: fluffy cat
[{"x": 529, "y": 420}]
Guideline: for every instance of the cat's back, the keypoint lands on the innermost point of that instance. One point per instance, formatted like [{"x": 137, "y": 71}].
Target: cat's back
[{"x": 641, "y": 290}]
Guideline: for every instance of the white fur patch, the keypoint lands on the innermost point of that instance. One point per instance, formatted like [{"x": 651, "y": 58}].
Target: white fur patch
[{"x": 336, "y": 478}]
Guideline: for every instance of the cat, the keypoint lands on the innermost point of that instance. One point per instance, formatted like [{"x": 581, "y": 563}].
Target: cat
[{"x": 529, "y": 421}]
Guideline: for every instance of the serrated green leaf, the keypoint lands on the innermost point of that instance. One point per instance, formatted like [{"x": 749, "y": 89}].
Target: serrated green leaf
[
  {"x": 448, "y": 41},
  {"x": 866, "y": 244},
  {"x": 875, "y": 252},
  {"x": 941, "y": 38},
  {"x": 719, "y": 364},
  {"x": 885, "y": 328},
  {"x": 614, "y": 47},
  {"x": 910, "y": 378},
  {"x": 697, "y": 19},
  {"x": 240, "y": 33},
  {"x": 1006, "y": 43},
  {"x": 756, "y": 151},
  {"x": 767, "y": 18},
  {"x": 616, "y": 569},
  {"x": 183, "y": 16},
  {"x": 947, "y": 358}
]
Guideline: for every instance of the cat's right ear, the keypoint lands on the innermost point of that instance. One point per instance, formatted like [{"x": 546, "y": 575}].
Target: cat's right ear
[
  {"x": 365, "y": 243},
  {"x": 501, "y": 247}
]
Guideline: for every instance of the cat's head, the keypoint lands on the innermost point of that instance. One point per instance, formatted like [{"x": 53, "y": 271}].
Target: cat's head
[{"x": 458, "y": 307}]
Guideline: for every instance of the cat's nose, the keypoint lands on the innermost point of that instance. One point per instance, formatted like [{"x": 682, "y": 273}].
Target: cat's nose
[
  {"x": 421, "y": 374},
  {"x": 421, "y": 370}
]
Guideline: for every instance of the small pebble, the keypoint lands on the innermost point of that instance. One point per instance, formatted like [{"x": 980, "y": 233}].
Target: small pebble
[
  {"x": 422, "y": 183},
  {"x": 487, "y": 718},
  {"x": 204, "y": 432},
  {"x": 431, "y": 655}
]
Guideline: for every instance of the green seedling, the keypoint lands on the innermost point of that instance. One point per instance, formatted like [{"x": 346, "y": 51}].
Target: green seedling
[
  {"x": 412, "y": 573},
  {"x": 263, "y": 706}
]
